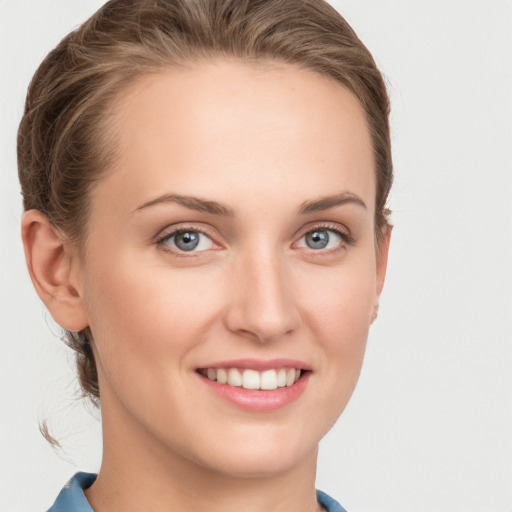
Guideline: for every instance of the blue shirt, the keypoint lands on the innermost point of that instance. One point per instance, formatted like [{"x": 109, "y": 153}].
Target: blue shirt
[{"x": 72, "y": 497}]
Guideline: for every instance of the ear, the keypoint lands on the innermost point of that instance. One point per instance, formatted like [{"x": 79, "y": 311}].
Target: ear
[
  {"x": 382, "y": 264},
  {"x": 52, "y": 264}
]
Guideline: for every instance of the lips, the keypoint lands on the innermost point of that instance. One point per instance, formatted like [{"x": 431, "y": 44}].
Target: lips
[
  {"x": 249, "y": 378},
  {"x": 257, "y": 386}
]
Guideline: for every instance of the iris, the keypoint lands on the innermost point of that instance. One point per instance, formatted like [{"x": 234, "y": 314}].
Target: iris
[
  {"x": 186, "y": 240},
  {"x": 317, "y": 239}
]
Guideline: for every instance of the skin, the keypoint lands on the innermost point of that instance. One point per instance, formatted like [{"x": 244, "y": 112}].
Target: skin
[{"x": 275, "y": 138}]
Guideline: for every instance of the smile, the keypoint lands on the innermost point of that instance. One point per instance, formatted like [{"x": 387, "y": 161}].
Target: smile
[
  {"x": 253, "y": 379},
  {"x": 256, "y": 385}
]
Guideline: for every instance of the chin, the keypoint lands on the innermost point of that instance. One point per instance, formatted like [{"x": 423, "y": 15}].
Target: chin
[{"x": 260, "y": 458}]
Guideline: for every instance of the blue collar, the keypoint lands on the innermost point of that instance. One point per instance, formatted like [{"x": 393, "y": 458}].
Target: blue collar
[{"x": 72, "y": 497}]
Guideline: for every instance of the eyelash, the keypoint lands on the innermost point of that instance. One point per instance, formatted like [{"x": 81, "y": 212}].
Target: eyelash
[
  {"x": 161, "y": 241},
  {"x": 334, "y": 228},
  {"x": 346, "y": 237}
]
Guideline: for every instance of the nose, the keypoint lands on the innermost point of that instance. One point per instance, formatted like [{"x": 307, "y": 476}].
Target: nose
[{"x": 262, "y": 305}]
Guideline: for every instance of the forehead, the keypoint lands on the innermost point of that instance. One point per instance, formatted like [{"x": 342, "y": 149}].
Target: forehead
[{"x": 241, "y": 123}]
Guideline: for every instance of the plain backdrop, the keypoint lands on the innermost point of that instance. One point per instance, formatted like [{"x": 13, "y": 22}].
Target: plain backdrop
[{"x": 429, "y": 427}]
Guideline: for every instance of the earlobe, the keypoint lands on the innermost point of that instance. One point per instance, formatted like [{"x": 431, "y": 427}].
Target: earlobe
[{"x": 50, "y": 263}]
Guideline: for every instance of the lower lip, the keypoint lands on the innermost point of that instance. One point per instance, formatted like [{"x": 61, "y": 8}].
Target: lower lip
[{"x": 259, "y": 400}]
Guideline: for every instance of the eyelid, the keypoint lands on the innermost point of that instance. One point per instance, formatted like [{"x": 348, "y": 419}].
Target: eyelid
[
  {"x": 169, "y": 231},
  {"x": 174, "y": 229},
  {"x": 342, "y": 230}
]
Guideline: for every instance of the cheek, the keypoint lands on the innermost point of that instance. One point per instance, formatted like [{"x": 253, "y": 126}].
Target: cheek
[
  {"x": 339, "y": 302},
  {"x": 147, "y": 322},
  {"x": 339, "y": 309},
  {"x": 147, "y": 312}
]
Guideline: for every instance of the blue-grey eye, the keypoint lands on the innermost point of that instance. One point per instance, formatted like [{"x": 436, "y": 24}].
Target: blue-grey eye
[
  {"x": 317, "y": 239},
  {"x": 188, "y": 241},
  {"x": 321, "y": 239}
]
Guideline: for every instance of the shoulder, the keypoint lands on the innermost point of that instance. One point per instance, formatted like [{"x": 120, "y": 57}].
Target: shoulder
[
  {"x": 72, "y": 497},
  {"x": 330, "y": 504}
]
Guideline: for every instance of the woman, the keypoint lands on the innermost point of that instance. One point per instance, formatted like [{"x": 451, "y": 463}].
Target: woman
[{"x": 205, "y": 188}]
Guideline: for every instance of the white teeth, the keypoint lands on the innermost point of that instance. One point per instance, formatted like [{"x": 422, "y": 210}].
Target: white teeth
[
  {"x": 269, "y": 379},
  {"x": 234, "y": 377},
  {"x": 290, "y": 376},
  {"x": 281, "y": 378},
  {"x": 253, "y": 379},
  {"x": 222, "y": 376}
]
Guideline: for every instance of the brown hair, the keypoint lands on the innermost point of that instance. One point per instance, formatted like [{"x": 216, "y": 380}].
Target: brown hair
[{"x": 64, "y": 145}]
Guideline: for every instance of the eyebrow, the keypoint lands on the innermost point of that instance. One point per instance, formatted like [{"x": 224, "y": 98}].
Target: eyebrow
[
  {"x": 328, "y": 202},
  {"x": 215, "y": 208},
  {"x": 193, "y": 203}
]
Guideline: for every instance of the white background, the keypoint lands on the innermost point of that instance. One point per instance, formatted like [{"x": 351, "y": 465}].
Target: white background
[{"x": 430, "y": 424}]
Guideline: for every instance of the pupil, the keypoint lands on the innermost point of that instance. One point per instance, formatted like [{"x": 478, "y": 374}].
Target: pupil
[
  {"x": 317, "y": 239},
  {"x": 187, "y": 241}
]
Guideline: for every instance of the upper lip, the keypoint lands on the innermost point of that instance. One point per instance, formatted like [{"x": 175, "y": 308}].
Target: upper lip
[{"x": 259, "y": 364}]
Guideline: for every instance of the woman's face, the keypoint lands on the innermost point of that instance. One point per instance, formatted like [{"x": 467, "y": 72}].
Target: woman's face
[{"x": 233, "y": 240}]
